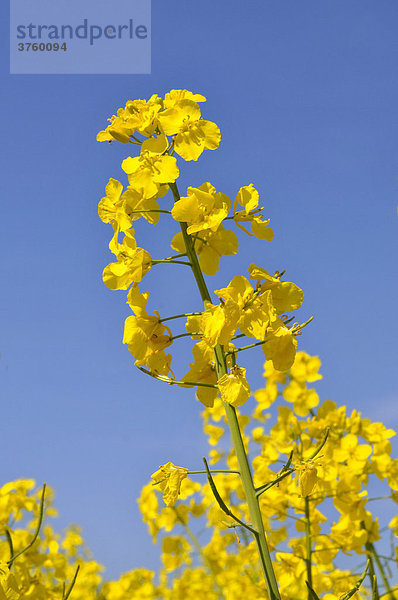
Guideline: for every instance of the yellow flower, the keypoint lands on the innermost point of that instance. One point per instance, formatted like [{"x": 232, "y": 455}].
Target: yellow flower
[
  {"x": 145, "y": 335},
  {"x": 203, "y": 370},
  {"x": 9, "y": 589},
  {"x": 174, "y": 96},
  {"x": 393, "y": 524},
  {"x": 169, "y": 478},
  {"x": 150, "y": 171},
  {"x": 280, "y": 346},
  {"x": 355, "y": 455},
  {"x": 305, "y": 368},
  {"x": 210, "y": 246},
  {"x": 286, "y": 296},
  {"x": 302, "y": 397},
  {"x": 157, "y": 362},
  {"x": 203, "y": 208},
  {"x": 111, "y": 208},
  {"x": 134, "y": 202},
  {"x": 138, "y": 115},
  {"x": 233, "y": 387},
  {"x": 248, "y": 198},
  {"x": 219, "y": 323},
  {"x": 308, "y": 477},
  {"x": 175, "y": 552},
  {"x": 192, "y": 134},
  {"x": 256, "y": 309},
  {"x": 131, "y": 266}
]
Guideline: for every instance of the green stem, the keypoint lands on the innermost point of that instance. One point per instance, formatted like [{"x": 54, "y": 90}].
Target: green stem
[
  {"x": 221, "y": 502},
  {"x": 308, "y": 560},
  {"x": 175, "y": 381},
  {"x": 181, "y": 335},
  {"x": 154, "y": 210},
  {"x": 10, "y": 543},
  {"x": 204, "y": 558},
  {"x": 175, "y": 256},
  {"x": 382, "y": 571},
  {"x": 371, "y": 572},
  {"x": 67, "y": 593},
  {"x": 193, "y": 314},
  {"x": 395, "y": 588},
  {"x": 170, "y": 262},
  {"x": 263, "y": 488},
  {"x": 245, "y": 347},
  {"x": 36, "y": 533},
  {"x": 379, "y": 498},
  {"x": 244, "y": 468},
  {"x": 213, "y": 471}
]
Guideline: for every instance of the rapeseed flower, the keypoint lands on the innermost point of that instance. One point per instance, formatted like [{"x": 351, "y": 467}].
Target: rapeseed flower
[
  {"x": 192, "y": 134},
  {"x": 248, "y": 198},
  {"x": 168, "y": 478},
  {"x": 203, "y": 208},
  {"x": 233, "y": 387},
  {"x": 132, "y": 263}
]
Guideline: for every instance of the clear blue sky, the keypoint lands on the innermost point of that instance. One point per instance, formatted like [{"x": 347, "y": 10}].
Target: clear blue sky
[{"x": 306, "y": 96}]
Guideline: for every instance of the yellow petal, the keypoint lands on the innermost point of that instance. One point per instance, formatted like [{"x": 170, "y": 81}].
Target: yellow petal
[
  {"x": 157, "y": 145},
  {"x": 233, "y": 387}
]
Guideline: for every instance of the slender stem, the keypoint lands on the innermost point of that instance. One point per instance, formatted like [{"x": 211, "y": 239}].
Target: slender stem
[
  {"x": 371, "y": 572},
  {"x": 203, "y": 556},
  {"x": 221, "y": 502},
  {"x": 66, "y": 594},
  {"x": 379, "y": 498},
  {"x": 320, "y": 446},
  {"x": 245, "y": 347},
  {"x": 170, "y": 262},
  {"x": 10, "y": 544},
  {"x": 395, "y": 588},
  {"x": 382, "y": 571},
  {"x": 238, "y": 336},
  {"x": 244, "y": 468},
  {"x": 193, "y": 314},
  {"x": 180, "y": 335},
  {"x": 36, "y": 533},
  {"x": 308, "y": 560},
  {"x": 213, "y": 471},
  {"x": 175, "y": 256},
  {"x": 175, "y": 381},
  {"x": 153, "y": 210},
  {"x": 263, "y": 488}
]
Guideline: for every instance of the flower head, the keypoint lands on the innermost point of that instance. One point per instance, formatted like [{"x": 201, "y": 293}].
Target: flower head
[
  {"x": 248, "y": 198},
  {"x": 202, "y": 209},
  {"x": 169, "y": 478},
  {"x": 132, "y": 263},
  {"x": 233, "y": 386},
  {"x": 137, "y": 115},
  {"x": 192, "y": 134}
]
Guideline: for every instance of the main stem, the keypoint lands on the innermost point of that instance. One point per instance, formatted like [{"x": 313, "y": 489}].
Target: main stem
[
  {"x": 308, "y": 560},
  {"x": 381, "y": 569},
  {"x": 244, "y": 467}
]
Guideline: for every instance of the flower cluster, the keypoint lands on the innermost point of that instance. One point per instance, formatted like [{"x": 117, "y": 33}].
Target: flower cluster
[
  {"x": 44, "y": 566},
  {"x": 325, "y": 498},
  {"x": 164, "y": 128},
  {"x": 322, "y": 500}
]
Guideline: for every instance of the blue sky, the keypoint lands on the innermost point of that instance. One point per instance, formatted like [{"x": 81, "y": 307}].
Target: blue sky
[{"x": 306, "y": 96}]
